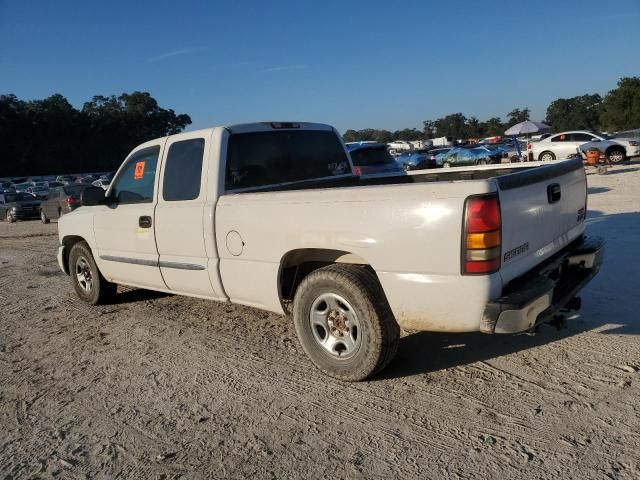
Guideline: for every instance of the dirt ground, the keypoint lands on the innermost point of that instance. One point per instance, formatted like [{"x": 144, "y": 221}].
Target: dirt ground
[{"x": 161, "y": 386}]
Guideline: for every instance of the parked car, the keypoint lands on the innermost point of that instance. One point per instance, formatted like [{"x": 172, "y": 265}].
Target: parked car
[
  {"x": 102, "y": 183},
  {"x": 54, "y": 184},
  {"x": 461, "y": 157},
  {"x": 400, "y": 145},
  {"x": 420, "y": 160},
  {"x": 38, "y": 191},
  {"x": 7, "y": 186},
  {"x": 370, "y": 158},
  {"x": 18, "y": 206},
  {"x": 628, "y": 134},
  {"x": 22, "y": 187},
  {"x": 88, "y": 179},
  {"x": 260, "y": 214},
  {"x": 61, "y": 200},
  {"x": 562, "y": 145},
  {"x": 66, "y": 179}
]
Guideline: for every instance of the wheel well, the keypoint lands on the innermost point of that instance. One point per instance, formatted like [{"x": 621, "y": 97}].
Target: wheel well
[
  {"x": 616, "y": 147},
  {"x": 546, "y": 151},
  {"x": 68, "y": 242},
  {"x": 297, "y": 264}
]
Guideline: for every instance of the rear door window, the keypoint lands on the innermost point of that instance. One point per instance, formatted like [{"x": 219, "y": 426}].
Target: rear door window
[
  {"x": 135, "y": 182},
  {"x": 581, "y": 137},
  {"x": 183, "y": 170},
  {"x": 261, "y": 159}
]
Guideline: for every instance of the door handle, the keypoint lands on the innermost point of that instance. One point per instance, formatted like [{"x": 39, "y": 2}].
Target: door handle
[
  {"x": 144, "y": 221},
  {"x": 554, "y": 193}
]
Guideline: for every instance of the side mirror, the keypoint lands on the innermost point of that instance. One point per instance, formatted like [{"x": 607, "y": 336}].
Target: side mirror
[{"x": 92, "y": 196}]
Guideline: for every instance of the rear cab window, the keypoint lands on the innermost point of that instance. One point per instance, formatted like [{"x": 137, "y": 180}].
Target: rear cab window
[
  {"x": 183, "y": 170},
  {"x": 367, "y": 157},
  {"x": 268, "y": 158}
]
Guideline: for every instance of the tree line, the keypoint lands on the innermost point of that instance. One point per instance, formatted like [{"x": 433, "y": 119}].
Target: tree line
[
  {"x": 50, "y": 136},
  {"x": 618, "y": 110}
]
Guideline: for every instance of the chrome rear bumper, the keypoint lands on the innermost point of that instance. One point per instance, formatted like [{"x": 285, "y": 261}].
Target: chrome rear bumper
[{"x": 539, "y": 295}]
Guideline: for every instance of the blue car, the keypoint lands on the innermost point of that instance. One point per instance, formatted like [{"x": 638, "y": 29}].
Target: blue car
[
  {"x": 371, "y": 158},
  {"x": 420, "y": 159}
]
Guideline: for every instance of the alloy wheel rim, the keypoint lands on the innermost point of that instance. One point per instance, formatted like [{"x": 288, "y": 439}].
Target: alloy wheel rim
[{"x": 83, "y": 274}]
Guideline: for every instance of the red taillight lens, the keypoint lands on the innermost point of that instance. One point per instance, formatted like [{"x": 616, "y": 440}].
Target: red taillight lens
[
  {"x": 483, "y": 214},
  {"x": 73, "y": 201},
  {"x": 357, "y": 170},
  {"x": 482, "y": 238}
]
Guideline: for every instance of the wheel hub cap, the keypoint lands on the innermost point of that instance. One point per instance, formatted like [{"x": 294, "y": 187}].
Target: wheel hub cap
[
  {"x": 335, "y": 325},
  {"x": 83, "y": 274}
]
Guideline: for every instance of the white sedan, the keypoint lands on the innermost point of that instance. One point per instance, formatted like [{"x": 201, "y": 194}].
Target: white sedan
[{"x": 564, "y": 144}]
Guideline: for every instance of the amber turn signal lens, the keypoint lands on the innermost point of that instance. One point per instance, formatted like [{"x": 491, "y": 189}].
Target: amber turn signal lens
[{"x": 483, "y": 240}]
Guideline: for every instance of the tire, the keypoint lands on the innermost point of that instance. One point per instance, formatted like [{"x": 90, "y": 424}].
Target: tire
[
  {"x": 446, "y": 165},
  {"x": 43, "y": 217},
  {"x": 616, "y": 155},
  {"x": 87, "y": 280},
  {"x": 344, "y": 323},
  {"x": 9, "y": 218},
  {"x": 482, "y": 161},
  {"x": 547, "y": 156}
]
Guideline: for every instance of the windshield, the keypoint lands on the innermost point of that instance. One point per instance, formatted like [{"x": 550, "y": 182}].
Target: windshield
[{"x": 365, "y": 157}]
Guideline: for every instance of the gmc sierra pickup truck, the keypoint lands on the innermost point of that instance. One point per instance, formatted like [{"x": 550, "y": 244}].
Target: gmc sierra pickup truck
[{"x": 271, "y": 215}]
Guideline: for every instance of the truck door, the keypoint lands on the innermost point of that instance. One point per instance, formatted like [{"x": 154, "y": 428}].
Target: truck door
[
  {"x": 183, "y": 212},
  {"x": 124, "y": 228}
]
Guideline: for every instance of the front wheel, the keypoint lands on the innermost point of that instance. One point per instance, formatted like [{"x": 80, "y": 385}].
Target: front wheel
[
  {"x": 43, "y": 217},
  {"x": 9, "y": 218},
  {"x": 616, "y": 155},
  {"x": 546, "y": 157},
  {"x": 344, "y": 323},
  {"x": 446, "y": 165},
  {"x": 87, "y": 280}
]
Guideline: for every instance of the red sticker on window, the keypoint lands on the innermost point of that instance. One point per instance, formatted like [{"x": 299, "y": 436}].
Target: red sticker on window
[{"x": 138, "y": 173}]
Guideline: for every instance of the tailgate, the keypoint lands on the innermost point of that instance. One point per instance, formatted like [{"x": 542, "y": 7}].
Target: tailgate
[{"x": 543, "y": 210}]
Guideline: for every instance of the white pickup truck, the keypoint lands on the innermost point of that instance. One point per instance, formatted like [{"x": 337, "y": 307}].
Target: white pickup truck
[{"x": 270, "y": 215}]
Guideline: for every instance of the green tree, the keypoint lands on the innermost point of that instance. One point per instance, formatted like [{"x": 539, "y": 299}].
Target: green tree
[
  {"x": 454, "y": 125},
  {"x": 575, "y": 113},
  {"x": 620, "y": 109},
  {"x": 516, "y": 116},
  {"x": 50, "y": 136},
  {"x": 493, "y": 127}
]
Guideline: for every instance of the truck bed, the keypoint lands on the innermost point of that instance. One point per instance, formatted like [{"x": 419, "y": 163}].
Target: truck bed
[{"x": 511, "y": 175}]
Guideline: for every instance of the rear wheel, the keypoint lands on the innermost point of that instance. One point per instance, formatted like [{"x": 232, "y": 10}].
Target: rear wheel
[
  {"x": 446, "y": 165},
  {"x": 546, "y": 156},
  {"x": 43, "y": 217},
  {"x": 616, "y": 155},
  {"x": 9, "y": 218},
  {"x": 87, "y": 280},
  {"x": 344, "y": 323},
  {"x": 482, "y": 161}
]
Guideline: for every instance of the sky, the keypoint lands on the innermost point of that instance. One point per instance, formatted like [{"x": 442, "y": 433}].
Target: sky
[{"x": 352, "y": 64}]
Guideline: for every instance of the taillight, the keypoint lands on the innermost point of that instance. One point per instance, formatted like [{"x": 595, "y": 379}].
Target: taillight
[
  {"x": 73, "y": 201},
  {"x": 528, "y": 146},
  {"x": 357, "y": 170},
  {"x": 482, "y": 236}
]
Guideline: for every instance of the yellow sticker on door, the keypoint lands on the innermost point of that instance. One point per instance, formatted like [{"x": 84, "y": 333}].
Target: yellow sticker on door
[{"x": 138, "y": 173}]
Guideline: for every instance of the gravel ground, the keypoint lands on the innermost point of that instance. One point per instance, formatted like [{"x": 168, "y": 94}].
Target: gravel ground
[{"x": 161, "y": 386}]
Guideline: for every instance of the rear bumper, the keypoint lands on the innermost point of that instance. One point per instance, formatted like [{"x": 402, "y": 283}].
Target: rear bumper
[{"x": 539, "y": 295}]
